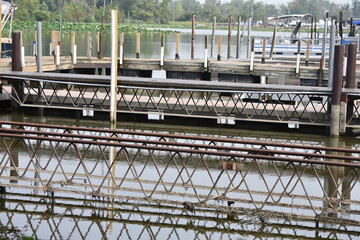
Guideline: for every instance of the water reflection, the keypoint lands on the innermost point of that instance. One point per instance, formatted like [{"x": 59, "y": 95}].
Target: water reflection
[{"x": 46, "y": 219}]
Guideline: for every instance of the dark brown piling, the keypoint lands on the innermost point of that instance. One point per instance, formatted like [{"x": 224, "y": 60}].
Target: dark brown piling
[
  {"x": 350, "y": 78},
  {"x": 341, "y": 26},
  {"x": 16, "y": 51},
  {"x": 238, "y": 44},
  {"x": 229, "y": 37}
]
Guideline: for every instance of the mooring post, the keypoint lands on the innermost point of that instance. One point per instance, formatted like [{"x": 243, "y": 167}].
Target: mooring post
[
  {"x": 17, "y": 85},
  {"x": 252, "y": 54},
  {"x": 39, "y": 47},
  {"x": 238, "y": 41},
  {"x": 345, "y": 59},
  {"x": 73, "y": 48},
  {"x": 121, "y": 52},
  {"x": 0, "y": 29},
  {"x": 137, "y": 45},
  {"x": 162, "y": 52},
  {"x": 341, "y": 26},
  {"x": 192, "y": 37},
  {"x": 273, "y": 40},
  {"x": 16, "y": 51},
  {"x": 213, "y": 36},
  {"x": 89, "y": 45},
  {"x": 307, "y": 57},
  {"x": 331, "y": 53},
  {"x": 206, "y": 52},
  {"x": 323, "y": 50},
  {"x": 312, "y": 28},
  {"x": 263, "y": 50},
  {"x": 350, "y": 78},
  {"x": 177, "y": 46},
  {"x": 336, "y": 90},
  {"x": 219, "y": 48},
  {"x": 249, "y": 38},
  {"x": 297, "y": 71},
  {"x": 229, "y": 37},
  {"x": 114, "y": 76}
]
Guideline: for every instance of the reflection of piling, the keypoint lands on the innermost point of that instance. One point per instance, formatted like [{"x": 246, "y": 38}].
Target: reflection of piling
[{"x": 336, "y": 90}]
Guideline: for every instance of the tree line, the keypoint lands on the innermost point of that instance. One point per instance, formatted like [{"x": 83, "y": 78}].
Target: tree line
[{"x": 164, "y": 11}]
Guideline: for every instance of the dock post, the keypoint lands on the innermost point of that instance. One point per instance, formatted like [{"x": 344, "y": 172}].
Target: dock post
[
  {"x": 121, "y": 52},
  {"x": 336, "y": 91},
  {"x": 229, "y": 37},
  {"x": 219, "y": 48},
  {"x": 89, "y": 45},
  {"x": 341, "y": 26},
  {"x": 323, "y": 50},
  {"x": 16, "y": 51},
  {"x": 249, "y": 36},
  {"x": 0, "y": 29},
  {"x": 238, "y": 40},
  {"x": 345, "y": 59},
  {"x": 57, "y": 55},
  {"x": 206, "y": 52},
  {"x": 331, "y": 53},
  {"x": 307, "y": 57},
  {"x": 177, "y": 46},
  {"x": 18, "y": 86},
  {"x": 213, "y": 36},
  {"x": 350, "y": 80},
  {"x": 312, "y": 28},
  {"x": 73, "y": 48},
  {"x": 39, "y": 46},
  {"x": 192, "y": 37},
  {"x": 252, "y": 55},
  {"x": 114, "y": 76},
  {"x": 263, "y": 50},
  {"x": 137, "y": 45},
  {"x": 298, "y": 58},
  {"x": 273, "y": 40},
  {"x": 162, "y": 51}
]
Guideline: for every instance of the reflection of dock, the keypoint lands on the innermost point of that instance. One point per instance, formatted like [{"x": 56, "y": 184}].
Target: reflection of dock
[{"x": 285, "y": 181}]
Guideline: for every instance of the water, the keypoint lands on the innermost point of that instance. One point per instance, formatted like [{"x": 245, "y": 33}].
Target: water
[{"x": 150, "y": 43}]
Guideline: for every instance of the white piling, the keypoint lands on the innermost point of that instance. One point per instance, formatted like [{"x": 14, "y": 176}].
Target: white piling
[
  {"x": 75, "y": 54},
  {"x": 22, "y": 57},
  {"x": 57, "y": 55}
]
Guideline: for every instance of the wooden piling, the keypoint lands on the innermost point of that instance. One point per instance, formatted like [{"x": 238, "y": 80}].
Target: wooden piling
[
  {"x": 114, "y": 66},
  {"x": 238, "y": 40},
  {"x": 213, "y": 36},
  {"x": 312, "y": 28},
  {"x": 89, "y": 45},
  {"x": 73, "y": 48},
  {"x": 206, "y": 52},
  {"x": 307, "y": 57},
  {"x": 177, "y": 46},
  {"x": 350, "y": 78},
  {"x": 252, "y": 54},
  {"x": 273, "y": 40},
  {"x": 39, "y": 47},
  {"x": 336, "y": 90},
  {"x": 162, "y": 52},
  {"x": 192, "y": 37},
  {"x": 297, "y": 71},
  {"x": 16, "y": 51},
  {"x": 263, "y": 50},
  {"x": 0, "y": 29},
  {"x": 137, "y": 45},
  {"x": 219, "y": 48},
  {"x": 121, "y": 49},
  {"x": 341, "y": 26},
  {"x": 229, "y": 37}
]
